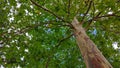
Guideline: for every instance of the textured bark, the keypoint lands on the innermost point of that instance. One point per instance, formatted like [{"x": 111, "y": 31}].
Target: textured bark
[{"x": 93, "y": 58}]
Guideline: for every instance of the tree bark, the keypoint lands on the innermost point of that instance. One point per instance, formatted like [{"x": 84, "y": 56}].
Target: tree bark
[{"x": 93, "y": 58}]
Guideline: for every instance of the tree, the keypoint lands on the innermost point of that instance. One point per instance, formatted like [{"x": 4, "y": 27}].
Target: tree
[{"x": 43, "y": 33}]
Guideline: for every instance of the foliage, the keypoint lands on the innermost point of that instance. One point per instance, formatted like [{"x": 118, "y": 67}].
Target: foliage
[{"x": 34, "y": 37}]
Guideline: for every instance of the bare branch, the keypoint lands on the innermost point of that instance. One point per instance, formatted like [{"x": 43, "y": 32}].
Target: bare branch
[{"x": 47, "y": 10}]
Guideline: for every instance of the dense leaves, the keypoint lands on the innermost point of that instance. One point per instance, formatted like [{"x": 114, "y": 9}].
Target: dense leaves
[{"x": 32, "y": 37}]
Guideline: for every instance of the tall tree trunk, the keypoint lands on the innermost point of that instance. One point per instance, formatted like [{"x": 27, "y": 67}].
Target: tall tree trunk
[{"x": 93, "y": 58}]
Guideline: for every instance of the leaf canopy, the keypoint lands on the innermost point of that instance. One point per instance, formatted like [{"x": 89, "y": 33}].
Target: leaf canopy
[{"x": 31, "y": 36}]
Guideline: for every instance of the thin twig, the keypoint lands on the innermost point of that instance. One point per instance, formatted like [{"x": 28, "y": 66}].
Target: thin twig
[
  {"x": 86, "y": 12},
  {"x": 59, "y": 43},
  {"x": 47, "y": 63},
  {"x": 47, "y": 10},
  {"x": 97, "y": 17},
  {"x": 93, "y": 9},
  {"x": 108, "y": 15},
  {"x": 69, "y": 8}
]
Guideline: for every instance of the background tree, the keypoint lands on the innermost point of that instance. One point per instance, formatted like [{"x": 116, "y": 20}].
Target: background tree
[{"x": 37, "y": 34}]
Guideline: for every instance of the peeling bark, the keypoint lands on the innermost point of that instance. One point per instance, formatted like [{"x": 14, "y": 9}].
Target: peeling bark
[{"x": 93, "y": 58}]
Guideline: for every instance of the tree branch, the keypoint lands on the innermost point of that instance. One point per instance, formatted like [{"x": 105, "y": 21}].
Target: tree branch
[
  {"x": 89, "y": 6},
  {"x": 108, "y": 15},
  {"x": 97, "y": 17},
  {"x": 47, "y": 63},
  {"x": 90, "y": 22},
  {"x": 69, "y": 8},
  {"x": 59, "y": 43},
  {"x": 45, "y": 23},
  {"x": 27, "y": 28},
  {"x": 93, "y": 9},
  {"x": 47, "y": 10}
]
